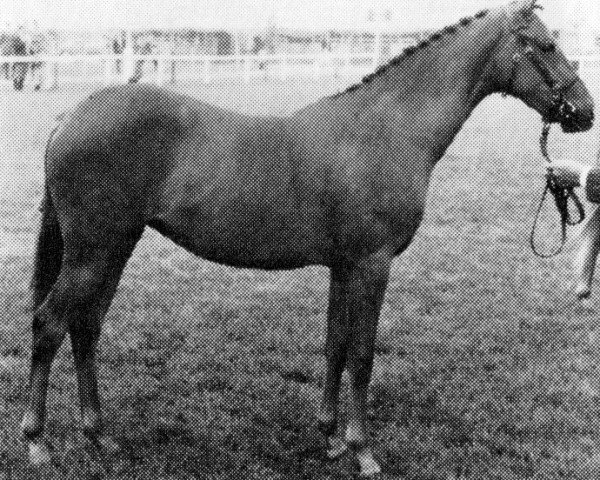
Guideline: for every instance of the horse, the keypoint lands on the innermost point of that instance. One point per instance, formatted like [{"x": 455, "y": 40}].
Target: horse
[
  {"x": 341, "y": 183},
  {"x": 13, "y": 45}
]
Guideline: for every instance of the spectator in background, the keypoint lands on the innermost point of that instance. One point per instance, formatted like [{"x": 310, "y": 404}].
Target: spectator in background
[
  {"x": 36, "y": 47},
  {"x": 33, "y": 39},
  {"x": 118, "y": 46},
  {"x": 144, "y": 49},
  {"x": 258, "y": 49}
]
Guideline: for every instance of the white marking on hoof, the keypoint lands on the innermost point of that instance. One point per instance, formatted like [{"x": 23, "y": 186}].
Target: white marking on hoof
[
  {"x": 368, "y": 465},
  {"x": 39, "y": 454},
  {"x": 104, "y": 443},
  {"x": 336, "y": 447},
  {"x": 583, "y": 291},
  {"x": 107, "y": 444}
]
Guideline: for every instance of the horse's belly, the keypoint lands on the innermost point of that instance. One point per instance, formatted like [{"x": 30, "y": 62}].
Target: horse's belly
[{"x": 245, "y": 238}]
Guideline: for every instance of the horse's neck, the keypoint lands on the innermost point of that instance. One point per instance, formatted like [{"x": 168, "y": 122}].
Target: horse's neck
[{"x": 428, "y": 98}]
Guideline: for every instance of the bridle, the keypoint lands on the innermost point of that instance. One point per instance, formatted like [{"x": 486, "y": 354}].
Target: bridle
[{"x": 561, "y": 109}]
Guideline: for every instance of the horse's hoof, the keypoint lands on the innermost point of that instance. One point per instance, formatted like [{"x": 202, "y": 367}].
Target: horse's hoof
[
  {"x": 336, "y": 447},
  {"x": 371, "y": 471},
  {"x": 104, "y": 443},
  {"x": 108, "y": 445},
  {"x": 582, "y": 292},
  {"x": 368, "y": 465},
  {"x": 39, "y": 454}
]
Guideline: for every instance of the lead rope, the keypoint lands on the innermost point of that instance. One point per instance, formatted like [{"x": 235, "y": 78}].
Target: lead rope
[{"x": 561, "y": 199}]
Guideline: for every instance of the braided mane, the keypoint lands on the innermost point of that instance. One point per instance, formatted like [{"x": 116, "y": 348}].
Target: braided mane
[{"x": 408, "y": 51}]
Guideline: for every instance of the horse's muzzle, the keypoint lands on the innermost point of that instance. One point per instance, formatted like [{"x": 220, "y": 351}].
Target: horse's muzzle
[
  {"x": 574, "y": 110},
  {"x": 573, "y": 119}
]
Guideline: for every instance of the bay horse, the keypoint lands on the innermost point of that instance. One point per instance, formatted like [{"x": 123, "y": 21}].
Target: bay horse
[{"x": 340, "y": 183}]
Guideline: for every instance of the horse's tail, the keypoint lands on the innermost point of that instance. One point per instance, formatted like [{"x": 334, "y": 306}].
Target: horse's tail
[
  {"x": 49, "y": 250},
  {"x": 48, "y": 255}
]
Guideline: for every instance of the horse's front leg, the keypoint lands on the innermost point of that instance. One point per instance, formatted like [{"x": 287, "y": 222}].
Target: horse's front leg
[
  {"x": 367, "y": 285},
  {"x": 338, "y": 332},
  {"x": 356, "y": 297}
]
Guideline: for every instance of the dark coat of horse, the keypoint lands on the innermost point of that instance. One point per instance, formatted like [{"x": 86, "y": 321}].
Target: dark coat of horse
[
  {"x": 340, "y": 183},
  {"x": 13, "y": 45}
]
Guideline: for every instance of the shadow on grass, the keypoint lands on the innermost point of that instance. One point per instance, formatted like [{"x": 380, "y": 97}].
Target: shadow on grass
[{"x": 423, "y": 435}]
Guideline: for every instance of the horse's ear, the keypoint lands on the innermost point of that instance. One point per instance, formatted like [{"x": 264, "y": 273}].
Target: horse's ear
[
  {"x": 530, "y": 6},
  {"x": 524, "y": 7}
]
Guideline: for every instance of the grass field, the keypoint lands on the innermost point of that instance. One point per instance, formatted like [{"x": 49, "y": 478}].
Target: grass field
[{"x": 486, "y": 366}]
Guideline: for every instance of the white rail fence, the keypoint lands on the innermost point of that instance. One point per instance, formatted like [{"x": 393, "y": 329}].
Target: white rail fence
[
  {"x": 55, "y": 70},
  {"x": 162, "y": 69}
]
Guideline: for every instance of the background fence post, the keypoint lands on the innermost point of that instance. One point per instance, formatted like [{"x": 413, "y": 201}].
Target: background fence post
[
  {"x": 49, "y": 75},
  {"x": 107, "y": 67},
  {"x": 283, "y": 73},
  {"x": 247, "y": 66},
  {"x": 160, "y": 72},
  {"x": 206, "y": 70},
  {"x": 127, "y": 64}
]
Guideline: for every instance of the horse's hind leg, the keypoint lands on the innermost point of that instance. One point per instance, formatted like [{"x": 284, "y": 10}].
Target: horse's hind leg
[
  {"x": 77, "y": 302},
  {"x": 85, "y": 332}
]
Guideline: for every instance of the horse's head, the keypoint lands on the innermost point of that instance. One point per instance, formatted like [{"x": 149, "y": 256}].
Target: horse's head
[{"x": 533, "y": 68}]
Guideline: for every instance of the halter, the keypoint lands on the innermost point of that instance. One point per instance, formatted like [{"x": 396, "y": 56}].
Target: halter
[{"x": 561, "y": 109}]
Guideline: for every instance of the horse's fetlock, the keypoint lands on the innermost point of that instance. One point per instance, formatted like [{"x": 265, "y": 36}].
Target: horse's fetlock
[
  {"x": 355, "y": 438},
  {"x": 327, "y": 426},
  {"x": 32, "y": 427},
  {"x": 91, "y": 423}
]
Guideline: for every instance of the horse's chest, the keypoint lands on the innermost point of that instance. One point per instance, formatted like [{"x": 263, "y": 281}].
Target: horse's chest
[{"x": 384, "y": 208}]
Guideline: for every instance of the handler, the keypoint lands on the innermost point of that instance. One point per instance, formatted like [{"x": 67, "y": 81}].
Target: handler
[{"x": 573, "y": 174}]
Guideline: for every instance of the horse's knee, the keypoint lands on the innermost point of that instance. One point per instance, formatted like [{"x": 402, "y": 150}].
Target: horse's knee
[{"x": 49, "y": 331}]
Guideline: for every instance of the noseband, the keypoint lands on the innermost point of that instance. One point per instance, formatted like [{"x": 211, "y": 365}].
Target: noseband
[{"x": 560, "y": 108}]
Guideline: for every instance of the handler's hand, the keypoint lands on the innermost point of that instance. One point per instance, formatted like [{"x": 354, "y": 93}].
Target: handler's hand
[{"x": 567, "y": 172}]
